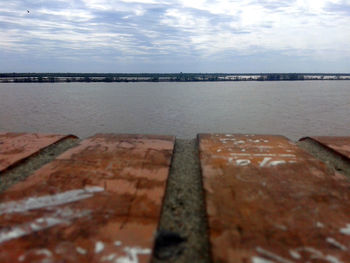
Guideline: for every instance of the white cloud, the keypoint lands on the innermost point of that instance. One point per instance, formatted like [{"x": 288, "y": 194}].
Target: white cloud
[{"x": 135, "y": 28}]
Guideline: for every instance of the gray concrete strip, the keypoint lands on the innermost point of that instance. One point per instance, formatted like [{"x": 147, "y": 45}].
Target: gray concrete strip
[
  {"x": 333, "y": 160},
  {"x": 182, "y": 234},
  {"x": 33, "y": 163}
]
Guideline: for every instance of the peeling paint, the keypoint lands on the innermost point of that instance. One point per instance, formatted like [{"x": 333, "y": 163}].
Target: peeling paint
[
  {"x": 117, "y": 243},
  {"x": 261, "y": 260},
  {"x": 109, "y": 257},
  {"x": 26, "y": 229},
  {"x": 80, "y": 250},
  {"x": 265, "y": 161},
  {"x": 32, "y": 203},
  {"x": 272, "y": 255},
  {"x": 278, "y": 162},
  {"x": 345, "y": 230},
  {"x": 319, "y": 224},
  {"x": 99, "y": 246},
  {"x": 242, "y": 162},
  {"x": 294, "y": 254},
  {"x": 132, "y": 254},
  {"x": 335, "y": 243},
  {"x": 61, "y": 216}
]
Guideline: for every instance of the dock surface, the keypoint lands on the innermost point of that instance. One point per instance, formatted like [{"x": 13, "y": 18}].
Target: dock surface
[{"x": 152, "y": 198}]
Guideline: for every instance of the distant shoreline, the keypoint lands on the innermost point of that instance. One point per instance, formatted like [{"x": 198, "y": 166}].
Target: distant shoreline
[{"x": 163, "y": 77}]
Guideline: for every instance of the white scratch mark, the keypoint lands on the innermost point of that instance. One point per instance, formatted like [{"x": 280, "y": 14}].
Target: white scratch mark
[
  {"x": 99, "y": 246},
  {"x": 242, "y": 162},
  {"x": 335, "y": 243},
  {"x": 80, "y": 250},
  {"x": 132, "y": 254},
  {"x": 294, "y": 254},
  {"x": 48, "y": 200},
  {"x": 264, "y": 154},
  {"x": 261, "y": 260},
  {"x": 272, "y": 255},
  {"x": 219, "y": 150},
  {"x": 345, "y": 230},
  {"x": 265, "y": 161}
]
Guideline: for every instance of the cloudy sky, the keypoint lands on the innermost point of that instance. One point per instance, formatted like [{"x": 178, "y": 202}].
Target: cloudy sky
[{"x": 175, "y": 35}]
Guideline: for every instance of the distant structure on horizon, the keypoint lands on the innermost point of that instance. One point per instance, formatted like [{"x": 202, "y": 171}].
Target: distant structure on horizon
[{"x": 162, "y": 77}]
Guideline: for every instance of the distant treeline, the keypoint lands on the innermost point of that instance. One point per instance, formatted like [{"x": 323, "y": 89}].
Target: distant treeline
[{"x": 156, "y": 77}]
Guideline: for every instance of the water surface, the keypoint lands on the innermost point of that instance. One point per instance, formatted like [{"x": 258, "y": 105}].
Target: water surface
[{"x": 293, "y": 109}]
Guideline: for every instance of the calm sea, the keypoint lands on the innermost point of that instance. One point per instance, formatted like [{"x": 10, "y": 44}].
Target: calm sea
[{"x": 293, "y": 109}]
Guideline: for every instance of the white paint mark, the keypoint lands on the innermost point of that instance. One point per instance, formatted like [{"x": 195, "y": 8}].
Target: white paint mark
[
  {"x": 117, "y": 243},
  {"x": 240, "y": 154},
  {"x": 219, "y": 150},
  {"x": 319, "y": 224},
  {"x": 25, "y": 229},
  {"x": 132, "y": 254},
  {"x": 48, "y": 200},
  {"x": 294, "y": 254},
  {"x": 272, "y": 255},
  {"x": 243, "y": 150},
  {"x": 264, "y": 154},
  {"x": 287, "y": 155},
  {"x": 240, "y": 142},
  {"x": 266, "y": 140},
  {"x": 275, "y": 163},
  {"x": 242, "y": 162},
  {"x": 61, "y": 216},
  {"x": 261, "y": 260},
  {"x": 80, "y": 250},
  {"x": 99, "y": 246},
  {"x": 345, "y": 230},
  {"x": 109, "y": 257},
  {"x": 335, "y": 243},
  {"x": 282, "y": 227},
  {"x": 230, "y": 160},
  {"x": 316, "y": 254},
  {"x": 265, "y": 161},
  {"x": 44, "y": 252}
]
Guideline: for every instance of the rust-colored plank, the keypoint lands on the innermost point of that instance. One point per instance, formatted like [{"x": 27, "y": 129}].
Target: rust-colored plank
[
  {"x": 16, "y": 147},
  {"x": 269, "y": 201},
  {"x": 97, "y": 202},
  {"x": 338, "y": 144}
]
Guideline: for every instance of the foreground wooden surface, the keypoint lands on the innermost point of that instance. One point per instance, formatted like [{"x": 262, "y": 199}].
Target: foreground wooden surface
[{"x": 267, "y": 200}]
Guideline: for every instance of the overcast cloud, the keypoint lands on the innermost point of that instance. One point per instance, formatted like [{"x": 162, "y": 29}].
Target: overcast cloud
[{"x": 174, "y": 36}]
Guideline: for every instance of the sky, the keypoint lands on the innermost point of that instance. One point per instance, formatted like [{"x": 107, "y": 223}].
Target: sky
[{"x": 175, "y": 36}]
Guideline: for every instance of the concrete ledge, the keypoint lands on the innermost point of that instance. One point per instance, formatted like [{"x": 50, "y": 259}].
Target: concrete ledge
[{"x": 327, "y": 153}]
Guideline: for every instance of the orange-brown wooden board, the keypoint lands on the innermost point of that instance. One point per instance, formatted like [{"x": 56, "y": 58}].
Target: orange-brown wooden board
[
  {"x": 339, "y": 145},
  {"x": 16, "y": 147},
  {"x": 97, "y": 202},
  {"x": 269, "y": 201}
]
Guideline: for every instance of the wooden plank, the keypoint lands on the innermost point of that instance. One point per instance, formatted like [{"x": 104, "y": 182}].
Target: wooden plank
[
  {"x": 269, "y": 201},
  {"x": 97, "y": 202},
  {"x": 16, "y": 147}
]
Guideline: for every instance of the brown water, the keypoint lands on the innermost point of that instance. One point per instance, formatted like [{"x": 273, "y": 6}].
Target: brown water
[{"x": 293, "y": 109}]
